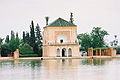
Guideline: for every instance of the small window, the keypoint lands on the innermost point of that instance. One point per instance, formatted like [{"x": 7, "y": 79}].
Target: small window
[{"x": 61, "y": 41}]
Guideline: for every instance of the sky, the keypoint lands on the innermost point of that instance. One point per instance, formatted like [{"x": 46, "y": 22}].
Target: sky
[{"x": 17, "y": 15}]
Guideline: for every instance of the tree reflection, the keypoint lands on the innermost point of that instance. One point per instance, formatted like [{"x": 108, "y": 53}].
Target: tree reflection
[{"x": 95, "y": 62}]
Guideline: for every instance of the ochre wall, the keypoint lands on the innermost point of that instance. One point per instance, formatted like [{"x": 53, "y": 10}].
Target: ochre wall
[
  {"x": 51, "y": 33},
  {"x": 50, "y": 44}
]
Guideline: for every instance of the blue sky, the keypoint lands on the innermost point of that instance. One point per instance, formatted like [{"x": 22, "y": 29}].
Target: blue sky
[{"x": 17, "y": 14}]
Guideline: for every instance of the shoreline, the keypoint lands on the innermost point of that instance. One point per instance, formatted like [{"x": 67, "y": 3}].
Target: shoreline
[{"x": 54, "y": 58}]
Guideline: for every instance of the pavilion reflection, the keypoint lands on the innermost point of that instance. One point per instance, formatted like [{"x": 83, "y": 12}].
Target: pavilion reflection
[{"x": 58, "y": 69}]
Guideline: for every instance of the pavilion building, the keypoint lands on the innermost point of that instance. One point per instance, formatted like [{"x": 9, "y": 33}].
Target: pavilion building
[{"x": 60, "y": 39}]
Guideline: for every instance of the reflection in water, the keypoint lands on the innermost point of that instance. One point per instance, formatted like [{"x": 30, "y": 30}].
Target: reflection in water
[
  {"x": 60, "y": 69},
  {"x": 95, "y": 62}
]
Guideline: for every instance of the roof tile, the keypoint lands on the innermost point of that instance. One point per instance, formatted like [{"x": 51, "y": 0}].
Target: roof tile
[{"x": 60, "y": 22}]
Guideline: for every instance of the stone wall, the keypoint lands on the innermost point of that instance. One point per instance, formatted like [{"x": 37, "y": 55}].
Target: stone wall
[
  {"x": 16, "y": 54},
  {"x": 102, "y": 52}
]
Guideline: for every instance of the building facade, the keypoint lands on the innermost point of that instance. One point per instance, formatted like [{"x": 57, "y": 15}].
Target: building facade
[{"x": 60, "y": 39}]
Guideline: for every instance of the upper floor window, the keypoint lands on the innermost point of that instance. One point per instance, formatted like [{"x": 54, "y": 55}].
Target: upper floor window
[
  {"x": 62, "y": 38},
  {"x": 61, "y": 41}
]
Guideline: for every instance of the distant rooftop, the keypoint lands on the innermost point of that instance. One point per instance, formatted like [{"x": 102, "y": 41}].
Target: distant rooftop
[{"x": 60, "y": 22}]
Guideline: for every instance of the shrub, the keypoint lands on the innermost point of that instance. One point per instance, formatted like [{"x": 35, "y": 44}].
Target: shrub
[
  {"x": 40, "y": 52},
  {"x": 25, "y": 49},
  {"x": 14, "y": 44},
  {"x": 28, "y": 55},
  {"x": 117, "y": 49},
  {"x": 5, "y": 50}
]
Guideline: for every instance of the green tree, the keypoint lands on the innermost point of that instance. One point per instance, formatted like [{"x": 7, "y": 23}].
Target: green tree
[
  {"x": 17, "y": 35},
  {"x": 25, "y": 49},
  {"x": 7, "y": 39},
  {"x": 10, "y": 45},
  {"x": 93, "y": 40},
  {"x": 32, "y": 38},
  {"x": 14, "y": 44},
  {"x": 1, "y": 42},
  {"x": 5, "y": 50},
  {"x": 38, "y": 36},
  {"x": 85, "y": 41},
  {"x": 24, "y": 37},
  {"x": 32, "y": 35},
  {"x": 98, "y": 35},
  {"x": 27, "y": 38},
  {"x": 12, "y": 35}
]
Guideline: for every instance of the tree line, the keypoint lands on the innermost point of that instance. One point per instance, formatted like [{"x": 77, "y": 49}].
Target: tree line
[
  {"x": 29, "y": 45},
  {"x": 96, "y": 39},
  {"x": 31, "y": 42}
]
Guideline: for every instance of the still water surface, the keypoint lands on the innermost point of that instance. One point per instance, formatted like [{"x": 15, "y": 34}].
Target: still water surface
[{"x": 62, "y": 69}]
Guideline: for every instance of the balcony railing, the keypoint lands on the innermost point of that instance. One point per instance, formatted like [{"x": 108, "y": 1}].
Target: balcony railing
[{"x": 64, "y": 43}]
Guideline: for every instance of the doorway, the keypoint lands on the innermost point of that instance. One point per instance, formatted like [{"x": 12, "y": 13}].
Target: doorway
[{"x": 63, "y": 52}]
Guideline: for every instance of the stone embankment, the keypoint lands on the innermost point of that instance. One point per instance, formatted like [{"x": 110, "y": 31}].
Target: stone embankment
[{"x": 53, "y": 58}]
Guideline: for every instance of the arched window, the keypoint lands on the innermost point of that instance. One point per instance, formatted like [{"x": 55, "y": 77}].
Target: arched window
[
  {"x": 58, "y": 52},
  {"x": 62, "y": 38},
  {"x": 69, "y": 52}
]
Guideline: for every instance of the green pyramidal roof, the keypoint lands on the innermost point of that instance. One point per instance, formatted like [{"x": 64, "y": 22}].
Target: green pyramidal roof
[{"x": 61, "y": 22}]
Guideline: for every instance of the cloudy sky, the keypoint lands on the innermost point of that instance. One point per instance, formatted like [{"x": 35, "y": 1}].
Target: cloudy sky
[{"x": 17, "y": 14}]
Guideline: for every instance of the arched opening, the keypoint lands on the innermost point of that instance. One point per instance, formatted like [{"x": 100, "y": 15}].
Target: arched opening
[
  {"x": 58, "y": 52},
  {"x": 63, "y": 52},
  {"x": 62, "y": 38},
  {"x": 69, "y": 52}
]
